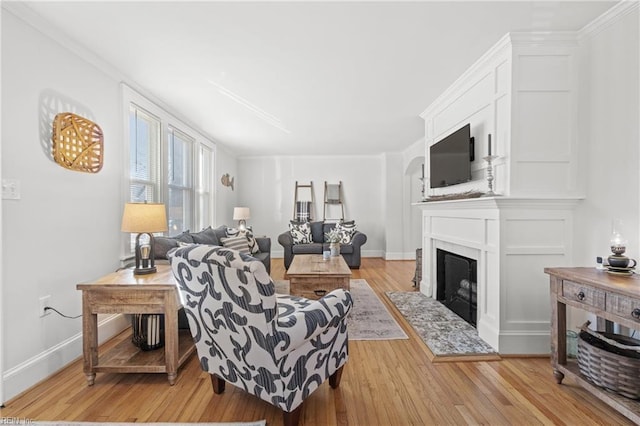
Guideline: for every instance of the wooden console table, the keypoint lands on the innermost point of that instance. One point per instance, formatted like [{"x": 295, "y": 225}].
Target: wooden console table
[
  {"x": 125, "y": 293},
  {"x": 611, "y": 298}
]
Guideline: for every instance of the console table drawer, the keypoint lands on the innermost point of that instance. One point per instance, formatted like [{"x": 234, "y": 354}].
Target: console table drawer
[
  {"x": 582, "y": 294},
  {"x": 624, "y": 307}
]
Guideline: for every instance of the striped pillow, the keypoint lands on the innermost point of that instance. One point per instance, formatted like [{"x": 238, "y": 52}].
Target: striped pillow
[{"x": 239, "y": 243}]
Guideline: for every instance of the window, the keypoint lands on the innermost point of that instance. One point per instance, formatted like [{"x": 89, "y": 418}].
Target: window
[
  {"x": 170, "y": 163},
  {"x": 144, "y": 144},
  {"x": 180, "y": 167}
]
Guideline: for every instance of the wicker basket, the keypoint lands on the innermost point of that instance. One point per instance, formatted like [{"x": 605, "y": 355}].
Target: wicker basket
[
  {"x": 611, "y": 361},
  {"x": 77, "y": 143}
]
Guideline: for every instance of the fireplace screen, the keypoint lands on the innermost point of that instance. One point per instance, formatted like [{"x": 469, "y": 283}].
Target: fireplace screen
[{"x": 457, "y": 284}]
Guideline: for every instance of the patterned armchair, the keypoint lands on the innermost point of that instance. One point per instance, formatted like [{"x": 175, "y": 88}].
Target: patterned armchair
[{"x": 278, "y": 348}]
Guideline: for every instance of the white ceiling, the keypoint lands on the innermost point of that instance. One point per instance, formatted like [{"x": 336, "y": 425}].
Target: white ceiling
[{"x": 303, "y": 78}]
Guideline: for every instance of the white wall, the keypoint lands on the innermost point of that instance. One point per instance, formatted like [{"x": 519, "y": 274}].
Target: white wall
[
  {"x": 268, "y": 186},
  {"x": 412, "y": 163},
  {"x": 65, "y": 228},
  {"x": 609, "y": 121},
  {"x": 226, "y": 198},
  {"x": 394, "y": 206}
]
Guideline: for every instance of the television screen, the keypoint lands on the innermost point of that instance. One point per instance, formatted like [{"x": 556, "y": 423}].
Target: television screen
[{"x": 450, "y": 162}]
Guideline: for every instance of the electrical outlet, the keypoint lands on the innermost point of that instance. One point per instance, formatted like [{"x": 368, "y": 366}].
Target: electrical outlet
[{"x": 44, "y": 302}]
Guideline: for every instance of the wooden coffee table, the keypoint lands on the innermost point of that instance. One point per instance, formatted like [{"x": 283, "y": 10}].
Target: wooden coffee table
[{"x": 312, "y": 277}]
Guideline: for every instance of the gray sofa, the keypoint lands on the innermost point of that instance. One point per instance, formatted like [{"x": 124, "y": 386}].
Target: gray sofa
[
  {"x": 350, "y": 252},
  {"x": 210, "y": 236}
]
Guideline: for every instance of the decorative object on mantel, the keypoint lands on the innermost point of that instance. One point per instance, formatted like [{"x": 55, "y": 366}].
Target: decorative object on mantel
[
  {"x": 227, "y": 180},
  {"x": 489, "y": 159},
  {"x": 618, "y": 263},
  {"x": 422, "y": 187},
  {"x": 77, "y": 143},
  {"x": 456, "y": 196}
]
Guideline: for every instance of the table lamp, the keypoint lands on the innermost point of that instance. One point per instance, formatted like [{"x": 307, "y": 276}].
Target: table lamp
[
  {"x": 144, "y": 219},
  {"x": 241, "y": 214}
]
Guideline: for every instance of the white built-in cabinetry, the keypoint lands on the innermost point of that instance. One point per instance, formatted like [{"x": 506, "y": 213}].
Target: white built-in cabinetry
[{"x": 524, "y": 92}]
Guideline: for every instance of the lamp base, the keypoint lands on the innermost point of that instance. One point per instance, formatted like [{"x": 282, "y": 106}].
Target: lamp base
[{"x": 144, "y": 271}]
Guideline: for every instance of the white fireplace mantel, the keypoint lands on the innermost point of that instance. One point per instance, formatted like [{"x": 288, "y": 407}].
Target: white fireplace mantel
[{"x": 513, "y": 240}]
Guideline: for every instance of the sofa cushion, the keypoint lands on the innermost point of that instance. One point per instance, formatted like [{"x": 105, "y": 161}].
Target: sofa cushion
[
  {"x": 310, "y": 248},
  {"x": 344, "y": 248},
  {"x": 221, "y": 232},
  {"x": 316, "y": 232},
  {"x": 300, "y": 232},
  {"x": 206, "y": 236},
  {"x": 237, "y": 243},
  {"x": 162, "y": 245}
]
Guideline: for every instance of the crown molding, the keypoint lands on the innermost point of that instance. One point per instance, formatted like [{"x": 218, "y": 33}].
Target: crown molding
[{"x": 608, "y": 18}]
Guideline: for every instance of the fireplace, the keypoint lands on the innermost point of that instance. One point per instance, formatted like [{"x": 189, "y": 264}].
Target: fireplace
[{"x": 457, "y": 288}]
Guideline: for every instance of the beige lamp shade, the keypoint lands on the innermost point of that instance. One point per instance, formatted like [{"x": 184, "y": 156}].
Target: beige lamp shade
[
  {"x": 144, "y": 217},
  {"x": 241, "y": 213}
]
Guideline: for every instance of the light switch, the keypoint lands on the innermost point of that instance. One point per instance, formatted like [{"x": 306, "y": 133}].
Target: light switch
[{"x": 10, "y": 189}]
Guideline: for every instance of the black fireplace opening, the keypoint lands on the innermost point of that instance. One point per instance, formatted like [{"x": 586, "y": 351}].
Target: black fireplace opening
[{"x": 457, "y": 286}]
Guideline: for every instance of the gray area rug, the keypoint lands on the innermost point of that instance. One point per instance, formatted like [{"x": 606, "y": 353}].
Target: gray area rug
[
  {"x": 444, "y": 332},
  {"x": 369, "y": 319}
]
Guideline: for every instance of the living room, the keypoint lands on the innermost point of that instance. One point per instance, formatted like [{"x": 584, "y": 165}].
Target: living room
[{"x": 70, "y": 222}]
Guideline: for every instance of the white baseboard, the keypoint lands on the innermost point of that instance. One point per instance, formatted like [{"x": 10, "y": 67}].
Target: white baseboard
[
  {"x": 399, "y": 256},
  {"x": 32, "y": 371},
  {"x": 525, "y": 343}
]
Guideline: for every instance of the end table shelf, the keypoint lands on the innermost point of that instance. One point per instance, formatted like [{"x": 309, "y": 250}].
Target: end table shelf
[
  {"x": 124, "y": 293},
  {"x": 125, "y": 357}
]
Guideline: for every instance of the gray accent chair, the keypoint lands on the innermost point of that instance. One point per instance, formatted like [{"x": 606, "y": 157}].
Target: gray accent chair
[{"x": 350, "y": 252}]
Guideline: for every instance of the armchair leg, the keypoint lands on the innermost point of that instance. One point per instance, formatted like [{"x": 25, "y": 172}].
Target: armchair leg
[
  {"x": 218, "y": 384},
  {"x": 292, "y": 418},
  {"x": 334, "y": 379}
]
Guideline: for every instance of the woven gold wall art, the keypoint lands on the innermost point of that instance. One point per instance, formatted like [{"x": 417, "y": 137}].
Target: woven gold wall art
[{"x": 77, "y": 143}]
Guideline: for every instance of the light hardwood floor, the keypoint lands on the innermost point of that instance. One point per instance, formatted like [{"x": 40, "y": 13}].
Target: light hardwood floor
[{"x": 384, "y": 383}]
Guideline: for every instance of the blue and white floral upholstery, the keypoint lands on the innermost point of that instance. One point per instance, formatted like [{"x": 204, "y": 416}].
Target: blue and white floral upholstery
[{"x": 278, "y": 348}]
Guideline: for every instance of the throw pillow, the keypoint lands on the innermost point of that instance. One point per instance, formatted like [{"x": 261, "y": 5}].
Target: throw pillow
[
  {"x": 251, "y": 240},
  {"x": 206, "y": 236},
  {"x": 236, "y": 243},
  {"x": 346, "y": 231},
  {"x": 162, "y": 245},
  {"x": 300, "y": 232}
]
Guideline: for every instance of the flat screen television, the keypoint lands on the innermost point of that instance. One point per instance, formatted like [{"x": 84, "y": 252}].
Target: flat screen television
[{"x": 450, "y": 159}]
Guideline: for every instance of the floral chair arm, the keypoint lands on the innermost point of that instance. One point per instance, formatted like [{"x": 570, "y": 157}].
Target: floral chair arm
[{"x": 302, "y": 319}]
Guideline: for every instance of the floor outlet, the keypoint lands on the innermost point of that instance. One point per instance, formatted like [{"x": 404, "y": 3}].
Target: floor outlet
[{"x": 44, "y": 302}]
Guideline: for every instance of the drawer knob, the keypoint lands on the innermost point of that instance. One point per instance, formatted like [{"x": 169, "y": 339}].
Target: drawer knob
[
  {"x": 320, "y": 292},
  {"x": 580, "y": 296},
  {"x": 636, "y": 313}
]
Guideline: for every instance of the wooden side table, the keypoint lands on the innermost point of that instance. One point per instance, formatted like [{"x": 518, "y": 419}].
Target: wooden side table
[
  {"x": 611, "y": 298},
  {"x": 124, "y": 293}
]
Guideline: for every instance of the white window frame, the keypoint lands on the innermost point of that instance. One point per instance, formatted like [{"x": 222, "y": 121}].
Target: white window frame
[{"x": 169, "y": 120}]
